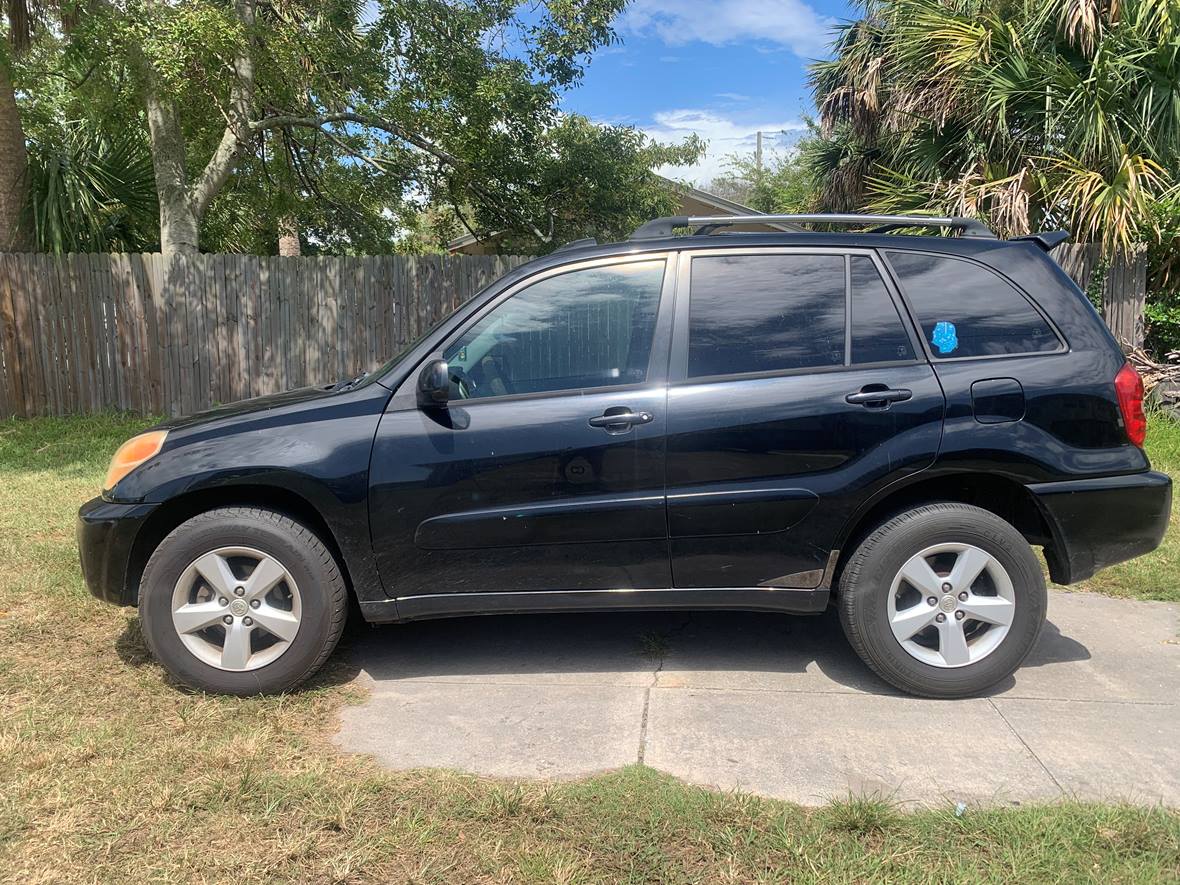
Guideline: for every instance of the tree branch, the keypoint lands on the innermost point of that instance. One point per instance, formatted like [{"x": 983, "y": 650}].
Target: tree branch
[
  {"x": 237, "y": 131},
  {"x": 418, "y": 141},
  {"x": 320, "y": 122}
]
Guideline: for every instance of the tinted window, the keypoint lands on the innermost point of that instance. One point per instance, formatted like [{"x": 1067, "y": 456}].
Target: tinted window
[
  {"x": 764, "y": 313},
  {"x": 965, "y": 310},
  {"x": 586, "y": 328},
  {"x": 877, "y": 333}
]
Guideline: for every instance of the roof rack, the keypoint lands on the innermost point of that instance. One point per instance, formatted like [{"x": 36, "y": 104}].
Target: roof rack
[{"x": 660, "y": 228}]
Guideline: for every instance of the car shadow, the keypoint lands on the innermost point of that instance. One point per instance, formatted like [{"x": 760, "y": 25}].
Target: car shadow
[{"x": 686, "y": 647}]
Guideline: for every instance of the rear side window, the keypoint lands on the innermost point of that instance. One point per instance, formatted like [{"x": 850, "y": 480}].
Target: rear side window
[
  {"x": 966, "y": 310},
  {"x": 877, "y": 333},
  {"x": 765, "y": 313}
]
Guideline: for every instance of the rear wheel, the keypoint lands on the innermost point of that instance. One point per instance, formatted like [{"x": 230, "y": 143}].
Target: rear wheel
[
  {"x": 943, "y": 600},
  {"x": 242, "y": 601}
]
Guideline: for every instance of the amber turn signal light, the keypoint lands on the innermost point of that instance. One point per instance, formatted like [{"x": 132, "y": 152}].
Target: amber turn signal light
[{"x": 133, "y": 453}]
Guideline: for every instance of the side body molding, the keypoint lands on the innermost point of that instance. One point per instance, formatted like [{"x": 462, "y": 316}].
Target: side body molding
[
  {"x": 737, "y": 511},
  {"x": 572, "y": 521}
]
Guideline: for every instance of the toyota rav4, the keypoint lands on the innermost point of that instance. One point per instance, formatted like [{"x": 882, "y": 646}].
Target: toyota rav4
[{"x": 886, "y": 424}]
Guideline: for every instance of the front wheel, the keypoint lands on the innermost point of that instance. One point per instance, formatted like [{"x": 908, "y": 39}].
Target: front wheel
[
  {"x": 242, "y": 601},
  {"x": 943, "y": 601}
]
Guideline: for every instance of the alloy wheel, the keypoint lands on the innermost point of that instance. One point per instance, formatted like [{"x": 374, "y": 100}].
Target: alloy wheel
[
  {"x": 236, "y": 608},
  {"x": 951, "y": 605}
]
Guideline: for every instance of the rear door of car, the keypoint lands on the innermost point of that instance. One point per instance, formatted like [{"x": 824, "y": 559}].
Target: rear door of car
[{"x": 797, "y": 388}]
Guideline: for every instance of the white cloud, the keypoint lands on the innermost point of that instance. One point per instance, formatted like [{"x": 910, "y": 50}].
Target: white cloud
[
  {"x": 724, "y": 137},
  {"x": 790, "y": 24}
]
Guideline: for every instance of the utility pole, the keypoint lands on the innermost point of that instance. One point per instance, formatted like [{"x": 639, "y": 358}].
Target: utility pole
[{"x": 758, "y": 154}]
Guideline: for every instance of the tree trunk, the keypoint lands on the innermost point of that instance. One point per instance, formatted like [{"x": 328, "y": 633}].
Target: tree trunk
[
  {"x": 183, "y": 205},
  {"x": 289, "y": 237},
  {"x": 14, "y": 169},
  {"x": 179, "y": 224}
]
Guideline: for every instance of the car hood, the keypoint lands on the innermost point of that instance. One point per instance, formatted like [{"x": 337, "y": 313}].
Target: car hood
[{"x": 255, "y": 406}]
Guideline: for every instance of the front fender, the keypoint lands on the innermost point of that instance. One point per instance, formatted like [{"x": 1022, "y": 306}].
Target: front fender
[{"x": 317, "y": 451}]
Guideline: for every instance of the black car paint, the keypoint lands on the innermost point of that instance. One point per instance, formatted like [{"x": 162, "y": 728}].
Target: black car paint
[
  {"x": 310, "y": 443},
  {"x": 737, "y": 494}
]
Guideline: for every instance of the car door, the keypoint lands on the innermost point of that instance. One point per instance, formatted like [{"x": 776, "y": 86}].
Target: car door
[
  {"x": 797, "y": 389},
  {"x": 546, "y": 469}
]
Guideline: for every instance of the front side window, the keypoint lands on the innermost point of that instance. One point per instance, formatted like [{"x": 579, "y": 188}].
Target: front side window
[
  {"x": 587, "y": 328},
  {"x": 765, "y": 313},
  {"x": 966, "y": 310}
]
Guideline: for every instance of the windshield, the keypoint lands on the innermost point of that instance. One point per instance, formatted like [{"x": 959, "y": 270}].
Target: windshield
[{"x": 382, "y": 370}]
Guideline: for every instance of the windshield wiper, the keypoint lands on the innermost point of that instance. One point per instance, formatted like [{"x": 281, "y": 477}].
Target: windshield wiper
[{"x": 348, "y": 384}]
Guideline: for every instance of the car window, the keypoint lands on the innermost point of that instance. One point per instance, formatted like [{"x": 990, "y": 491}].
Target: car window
[
  {"x": 878, "y": 335},
  {"x": 587, "y": 328},
  {"x": 966, "y": 310},
  {"x": 765, "y": 313}
]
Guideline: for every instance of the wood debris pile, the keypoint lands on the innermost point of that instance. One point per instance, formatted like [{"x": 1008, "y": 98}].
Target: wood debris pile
[{"x": 1153, "y": 372}]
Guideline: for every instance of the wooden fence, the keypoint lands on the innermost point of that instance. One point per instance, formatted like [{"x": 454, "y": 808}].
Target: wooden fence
[
  {"x": 1124, "y": 286},
  {"x": 87, "y": 333}
]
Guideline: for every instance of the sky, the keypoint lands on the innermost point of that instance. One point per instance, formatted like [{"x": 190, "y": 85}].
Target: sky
[{"x": 723, "y": 69}]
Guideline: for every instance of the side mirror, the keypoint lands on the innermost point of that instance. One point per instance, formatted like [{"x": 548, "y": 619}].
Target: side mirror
[{"x": 434, "y": 385}]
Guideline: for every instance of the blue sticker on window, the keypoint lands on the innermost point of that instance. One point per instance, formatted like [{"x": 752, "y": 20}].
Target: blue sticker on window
[{"x": 944, "y": 338}]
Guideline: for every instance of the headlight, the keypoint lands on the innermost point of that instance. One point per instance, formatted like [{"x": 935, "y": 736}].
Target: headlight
[{"x": 133, "y": 453}]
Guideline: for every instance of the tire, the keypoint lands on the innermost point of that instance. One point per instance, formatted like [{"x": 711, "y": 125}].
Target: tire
[
  {"x": 933, "y": 662},
  {"x": 254, "y": 567}
]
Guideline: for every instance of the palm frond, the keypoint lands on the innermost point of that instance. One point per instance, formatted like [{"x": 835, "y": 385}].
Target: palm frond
[
  {"x": 1109, "y": 205},
  {"x": 90, "y": 192}
]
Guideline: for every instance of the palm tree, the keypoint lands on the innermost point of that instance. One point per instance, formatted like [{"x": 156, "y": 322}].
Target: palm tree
[{"x": 1026, "y": 113}]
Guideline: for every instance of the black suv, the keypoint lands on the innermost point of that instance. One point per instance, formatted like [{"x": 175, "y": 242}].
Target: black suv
[{"x": 775, "y": 421}]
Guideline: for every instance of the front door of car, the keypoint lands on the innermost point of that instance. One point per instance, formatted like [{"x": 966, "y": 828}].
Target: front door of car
[
  {"x": 797, "y": 389},
  {"x": 545, "y": 470}
]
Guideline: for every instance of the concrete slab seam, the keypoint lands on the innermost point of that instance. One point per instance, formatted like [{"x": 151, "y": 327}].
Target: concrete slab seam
[
  {"x": 1024, "y": 743},
  {"x": 655, "y": 678}
]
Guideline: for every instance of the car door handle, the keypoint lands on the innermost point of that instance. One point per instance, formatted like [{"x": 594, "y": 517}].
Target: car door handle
[
  {"x": 611, "y": 420},
  {"x": 878, "y": 396}
]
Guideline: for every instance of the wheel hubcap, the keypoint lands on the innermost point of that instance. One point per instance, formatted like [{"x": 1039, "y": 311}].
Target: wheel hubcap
[
  {"x": 258, "y": 624},
  {"x": 951, "y": 605}
]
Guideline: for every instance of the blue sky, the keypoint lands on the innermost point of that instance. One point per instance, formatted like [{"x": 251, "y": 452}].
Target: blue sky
[{"x": 721, "y": 68}]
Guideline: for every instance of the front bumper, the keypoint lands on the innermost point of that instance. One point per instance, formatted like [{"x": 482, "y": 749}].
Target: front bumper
[
  {"x": 106, "y": 533},
  {"x": 1099, "y": 522}
]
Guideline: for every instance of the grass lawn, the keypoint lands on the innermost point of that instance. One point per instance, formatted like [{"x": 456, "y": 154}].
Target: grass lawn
[{"x": 108, "y": 773}]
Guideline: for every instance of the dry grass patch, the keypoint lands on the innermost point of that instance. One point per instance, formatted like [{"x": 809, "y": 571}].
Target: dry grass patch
[{"x": 109, "y": 773}]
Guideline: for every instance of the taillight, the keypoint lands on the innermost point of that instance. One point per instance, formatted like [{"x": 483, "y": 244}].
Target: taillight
[{"x": 1129, "y": 387}]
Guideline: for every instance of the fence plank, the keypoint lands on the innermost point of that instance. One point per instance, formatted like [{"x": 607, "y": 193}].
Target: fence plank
[
  {"x": 80, "y": 287},
  {"x": 27, "y": 336},
  {"x": 74, "y": 297},
  {"x": 50, "y": 313},
  {"x": 265, "y": 295}
]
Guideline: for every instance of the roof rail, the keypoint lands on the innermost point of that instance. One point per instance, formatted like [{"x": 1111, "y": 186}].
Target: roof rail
[{"x": 660, "y": 228}]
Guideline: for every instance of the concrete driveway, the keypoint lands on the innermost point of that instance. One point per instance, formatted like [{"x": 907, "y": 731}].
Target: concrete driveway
[{"x": 775, "y": 705}]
